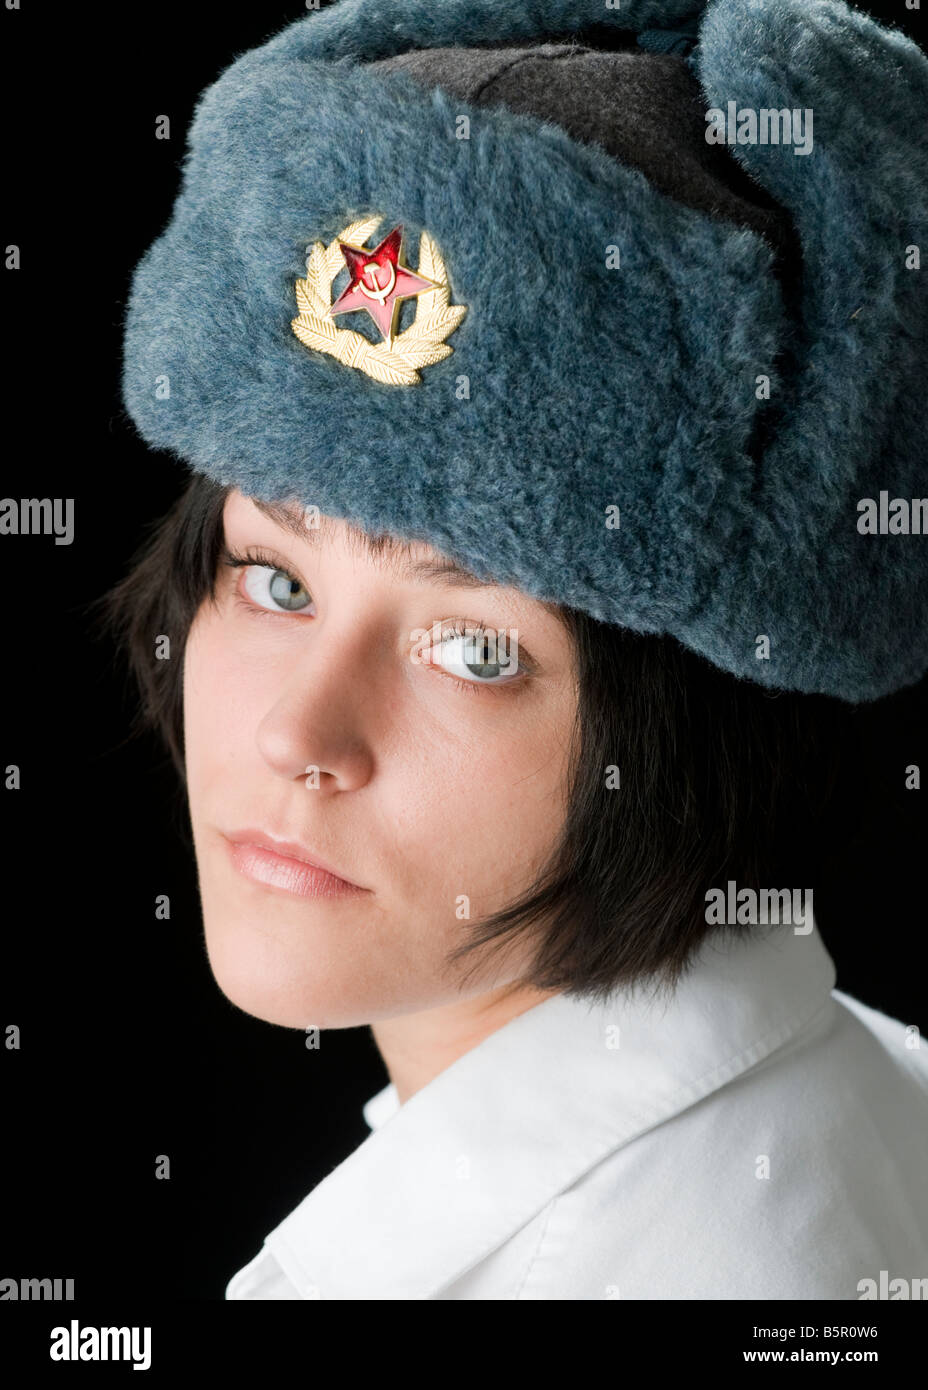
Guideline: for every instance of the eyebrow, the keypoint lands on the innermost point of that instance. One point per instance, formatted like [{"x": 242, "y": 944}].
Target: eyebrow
[{"x": 383, "y": 546}]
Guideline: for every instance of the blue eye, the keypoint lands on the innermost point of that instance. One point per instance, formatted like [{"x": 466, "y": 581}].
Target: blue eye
[
  {"x": 482, "y": 656},
  {"x": 267, "y": 585},
  {"x": 275, "y": 589}
]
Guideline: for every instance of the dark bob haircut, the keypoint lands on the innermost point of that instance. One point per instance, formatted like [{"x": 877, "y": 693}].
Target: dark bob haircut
[{"x": 718, "y": 779}]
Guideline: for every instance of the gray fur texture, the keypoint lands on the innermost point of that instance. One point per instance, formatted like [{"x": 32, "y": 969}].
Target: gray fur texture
[{"x": 587, "y": 387}]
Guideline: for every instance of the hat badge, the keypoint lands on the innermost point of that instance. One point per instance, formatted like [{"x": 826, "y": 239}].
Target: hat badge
[{"x": 380, "y": 281}]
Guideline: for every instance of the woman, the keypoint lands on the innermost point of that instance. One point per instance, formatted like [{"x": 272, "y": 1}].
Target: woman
[{"x": 592, "y": 460}]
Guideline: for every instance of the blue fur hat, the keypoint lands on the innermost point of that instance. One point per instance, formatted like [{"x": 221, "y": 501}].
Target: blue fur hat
[{"x": 544, "y": 363}]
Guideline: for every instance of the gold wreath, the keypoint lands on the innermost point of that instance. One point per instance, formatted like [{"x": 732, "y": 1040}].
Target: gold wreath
[{"x": 421, "y": 344}]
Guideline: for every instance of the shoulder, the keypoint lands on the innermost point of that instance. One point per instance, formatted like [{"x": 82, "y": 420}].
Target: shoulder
[{"x": 799, "y": 1179}]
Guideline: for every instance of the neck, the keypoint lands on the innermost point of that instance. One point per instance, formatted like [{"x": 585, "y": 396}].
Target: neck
[{"x": 416, "y": 1047}]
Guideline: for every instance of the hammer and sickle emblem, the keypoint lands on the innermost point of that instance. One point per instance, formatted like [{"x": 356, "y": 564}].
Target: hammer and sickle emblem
[{"x": 375, "y": 292}]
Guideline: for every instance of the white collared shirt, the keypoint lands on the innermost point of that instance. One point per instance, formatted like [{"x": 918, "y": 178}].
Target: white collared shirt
[{"x": 759, "y": 1135}]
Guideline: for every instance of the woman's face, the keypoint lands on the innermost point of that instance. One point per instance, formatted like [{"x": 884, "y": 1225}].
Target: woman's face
[{"x": 440, "y": 776}]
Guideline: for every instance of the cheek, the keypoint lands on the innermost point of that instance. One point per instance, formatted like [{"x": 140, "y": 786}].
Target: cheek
[
  {"x": 475, "y": 818},
  {"x": 219, "y": 708}
]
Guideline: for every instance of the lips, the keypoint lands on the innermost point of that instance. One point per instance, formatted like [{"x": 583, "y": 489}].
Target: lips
[{"x": 290, "y": 849}]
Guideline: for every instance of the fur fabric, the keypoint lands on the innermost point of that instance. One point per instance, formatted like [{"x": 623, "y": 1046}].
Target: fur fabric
[{"x": 589, "y": 387}]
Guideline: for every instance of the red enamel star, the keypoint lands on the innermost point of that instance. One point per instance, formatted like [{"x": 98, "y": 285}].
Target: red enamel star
[{"x": 379, "y": 280}]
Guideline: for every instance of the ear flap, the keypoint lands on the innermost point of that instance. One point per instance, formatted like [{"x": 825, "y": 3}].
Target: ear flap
[{"x": 852, "y": 419}]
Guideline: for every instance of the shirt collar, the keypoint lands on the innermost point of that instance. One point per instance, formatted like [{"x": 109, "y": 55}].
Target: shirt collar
[
  {"x": 381, "y": 1107},
  {"x": 471, "y": 1157}
]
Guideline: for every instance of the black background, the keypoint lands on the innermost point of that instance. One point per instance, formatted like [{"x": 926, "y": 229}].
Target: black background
[{"x": 129, "y": 1050}]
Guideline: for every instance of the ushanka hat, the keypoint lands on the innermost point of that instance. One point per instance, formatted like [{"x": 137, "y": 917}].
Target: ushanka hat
[{"x": 620, "y": 304}]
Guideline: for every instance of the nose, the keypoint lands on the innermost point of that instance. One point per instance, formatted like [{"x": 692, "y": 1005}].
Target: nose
[{"x": 318, "y": 720}]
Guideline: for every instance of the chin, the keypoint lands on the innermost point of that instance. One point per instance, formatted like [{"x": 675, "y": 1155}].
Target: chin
[{"x": 260, "y": 977}]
